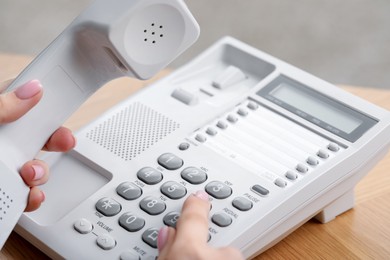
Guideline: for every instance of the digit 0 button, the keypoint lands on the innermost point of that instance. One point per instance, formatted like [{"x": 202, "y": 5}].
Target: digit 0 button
[
  {"x": 218, "y": 190},
  {"x": 170, "y": 161}
]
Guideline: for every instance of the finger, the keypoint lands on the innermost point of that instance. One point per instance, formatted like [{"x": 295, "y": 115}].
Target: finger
[
  {"x": 4, "y": 85},
  {"x": 35, "y": 199},
  {"x": 61, "y": 140},
  {"x": 193, "y": 224},
  {"x": 166, "y": 238},
  {"x": 34, "y": 173},
  {"x": 14, "y": 105},
  {"x": 228, "y": 253}
]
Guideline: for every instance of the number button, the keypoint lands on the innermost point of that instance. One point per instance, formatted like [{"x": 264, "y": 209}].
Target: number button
[
  {"x": 108, "y": 207},
  {"x": 149, "y": 175},
  {"x": 131, "y": 222},
  {"x": 171, "y": 219},
  {"x": 218, "y": 190},
  {"x": 129, "y": 191},
  {"x": 173, "y": 190},
  {"x": 194, "y": 175},
  {"x": 150, "y": 237},
  {"x": 152, "y": 206},
  {"x": 170, "y": 161}
]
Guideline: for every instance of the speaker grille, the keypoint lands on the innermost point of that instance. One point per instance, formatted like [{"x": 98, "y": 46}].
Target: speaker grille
[
  {"x": 132, "y": 130},
  {"x": 5, "y": 203}
]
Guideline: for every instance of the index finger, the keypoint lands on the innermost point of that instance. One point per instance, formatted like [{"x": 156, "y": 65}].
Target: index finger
[{"x": 193, "y": 223}]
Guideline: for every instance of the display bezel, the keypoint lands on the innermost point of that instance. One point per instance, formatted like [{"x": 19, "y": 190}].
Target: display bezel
[{"x": 366, "y": 121}]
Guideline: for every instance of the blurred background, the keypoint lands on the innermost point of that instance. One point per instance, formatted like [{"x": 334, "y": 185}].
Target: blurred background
[{"x": 341, "y": 41}]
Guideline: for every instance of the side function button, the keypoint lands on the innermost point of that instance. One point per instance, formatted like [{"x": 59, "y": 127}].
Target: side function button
[
  {"x": 200, "y": 138},
  {"x": 280, "y": 183},
  {"x": 128, "y": 255},
  {"x": 83, "y": 226},
  {"x": 129, "y": 191},
  {"x": 150, "y": 237},
  {"x": 333, "y": 147},
  {"x": 184, "y": 146},
  {"x": 291, "y": 175},
  {"x": 106, "y": 242},
  {"x": 242, "y": 112},
  {"x": 108, "y": 207},
  {"x": 171, "y": 219},
  {"x": 170, "y": 161},
  {"x": 149, "y": 175},
  {"x": 173, "y": 190},
  {"x": 152, "y": 206},
  {"x": 302, "y": 168},
  {"x": 242, "y": 204},
  {"x": 253, "y": 106},
  {"x": 194, "y": 175},
  {"x": 260, "y": 190},
  {"x": 312, "y": 161},
  {"x": 211, "y": 131},
  {"x": 232, "y": 119},
  {"x": 131, "y": 222},
  {"x": 222, "y": 124},
  {"x": 323, "y": 154},
  {"x": 221, "y": 219},
  {"x": 218, "y": 190}
]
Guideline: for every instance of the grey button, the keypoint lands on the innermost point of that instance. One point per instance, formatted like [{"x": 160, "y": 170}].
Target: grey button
[
  {"x": 222, "y": 124},
  {"x": 242, "y": 204},
  {"x": 302, "y": 168},
  {"x": 171, "y": 219},
  {"x": 106, "y": 242},
  {"x": 127, "y": 255},
  {"x": 260, "y": 190},
  {"x": 280, "y": 183},
  {"x": 170, "y": 161},
  {"x": 184, "y": 146},
  {"x": 253, "y": 105},
  {"x": 333, "y": 147},
  {"x": 312, "y": 161},
  {"x": 194, "y": 175},
  {"x": 83, "y": 226},
  {"x": 242, "y": 112},
  {"x": 323, "y": 154},
  {"x": 131, "y": 222},
  {"x": 200, "y": 138},
  {"x": 129, "y": 191},
  {"x": 232, "y": 119},
  {"x": 221, "y": 219},
  {"x": 108, "y": 207},
  {"x": 291, "y": 175},
  {"x": 185, "y": 97},
  {"x": 211, "y": 131},
  {"x": 218, "y": 190},
  {"x": 149, "y": 175},
  {"x": 152, "y": 206},
  {"x": 150, "y": 237},
  {"x": 173, "y": 190}
]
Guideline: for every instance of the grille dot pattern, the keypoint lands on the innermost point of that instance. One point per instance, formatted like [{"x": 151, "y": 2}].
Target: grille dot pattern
[
  {"x": 5, "y": 203},
  {"x": 132, "y": 130}
]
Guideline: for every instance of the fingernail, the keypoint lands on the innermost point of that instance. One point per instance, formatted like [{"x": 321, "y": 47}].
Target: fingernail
[
  {"x": 43, "y": 196},
  {"x": 39, "y": 172},
  {"x": 202, "y": 195},
  {"x": 162, "y": 238},
  {"x": 29, "y": 89}
]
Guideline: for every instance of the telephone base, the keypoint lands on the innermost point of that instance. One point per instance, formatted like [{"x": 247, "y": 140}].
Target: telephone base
[{"x": 337, "y": 207}]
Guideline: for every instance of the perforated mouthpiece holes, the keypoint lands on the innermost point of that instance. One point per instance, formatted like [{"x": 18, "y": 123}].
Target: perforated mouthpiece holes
[{"x": 153, "y": 33}]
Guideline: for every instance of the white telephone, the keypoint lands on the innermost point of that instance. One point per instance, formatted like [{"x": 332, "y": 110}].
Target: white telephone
[
  {"x": 273, "y": 146},
  {"x": 109, "y": 40}
]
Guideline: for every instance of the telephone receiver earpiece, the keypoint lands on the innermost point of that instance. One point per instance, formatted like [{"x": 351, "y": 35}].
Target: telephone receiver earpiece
[{"x": 110, "y": 39}]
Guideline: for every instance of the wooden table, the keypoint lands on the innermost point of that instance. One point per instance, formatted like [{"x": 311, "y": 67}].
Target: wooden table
[{"x": 361, "y": 233}]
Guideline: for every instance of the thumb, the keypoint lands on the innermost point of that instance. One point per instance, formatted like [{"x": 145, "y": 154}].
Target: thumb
[{"x": 15, "y": 104}]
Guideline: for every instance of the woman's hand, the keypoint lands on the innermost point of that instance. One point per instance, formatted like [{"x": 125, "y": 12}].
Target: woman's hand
[
  {"x": 189, "y": 239},
  {"x": 14, "y": 105}
]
